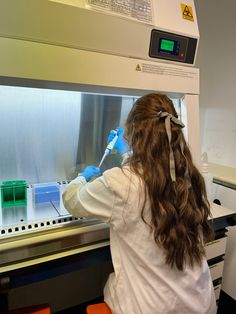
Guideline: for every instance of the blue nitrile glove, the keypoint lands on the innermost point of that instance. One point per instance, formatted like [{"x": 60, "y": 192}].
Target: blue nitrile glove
[
  {"x": 90, "y": 173},
  {"x": 121, "y": 144}
]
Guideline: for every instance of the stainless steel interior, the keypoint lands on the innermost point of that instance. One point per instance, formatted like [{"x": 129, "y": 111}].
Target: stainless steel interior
[{"x": 50, "y": 135}]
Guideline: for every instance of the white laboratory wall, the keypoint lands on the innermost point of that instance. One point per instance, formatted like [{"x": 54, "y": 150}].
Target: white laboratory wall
[{"x": 217, "y": 62}]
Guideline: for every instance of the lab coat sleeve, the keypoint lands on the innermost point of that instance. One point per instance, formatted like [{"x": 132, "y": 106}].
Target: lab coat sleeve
[{"x": 91, "y": 200}]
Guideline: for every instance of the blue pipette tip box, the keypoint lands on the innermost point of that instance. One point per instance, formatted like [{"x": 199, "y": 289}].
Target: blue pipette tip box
[{"x": 46, "y": 193}]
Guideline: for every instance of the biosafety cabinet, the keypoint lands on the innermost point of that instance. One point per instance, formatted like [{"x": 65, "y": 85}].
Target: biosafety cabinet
[{"x": 70, "y": 72}]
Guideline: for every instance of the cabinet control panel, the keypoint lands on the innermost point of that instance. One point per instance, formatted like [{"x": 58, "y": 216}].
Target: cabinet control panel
[{"x": 172, "y": 47}]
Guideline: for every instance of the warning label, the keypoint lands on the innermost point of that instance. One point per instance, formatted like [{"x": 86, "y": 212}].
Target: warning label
[
  {"x": 187, "y": 12},
  {"x": 165, "y": 70},
  {"x": 138, "y": 67},
  {"x": 140, "y": 10}
]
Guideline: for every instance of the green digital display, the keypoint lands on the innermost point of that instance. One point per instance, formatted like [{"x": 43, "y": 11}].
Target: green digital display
[{"x": 167, "y": 45}]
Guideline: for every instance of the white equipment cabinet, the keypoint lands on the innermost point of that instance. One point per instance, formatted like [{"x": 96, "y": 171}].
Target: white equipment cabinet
[
  {"x": 216, "y": 250},
  {"x": 225, "y": 193}
]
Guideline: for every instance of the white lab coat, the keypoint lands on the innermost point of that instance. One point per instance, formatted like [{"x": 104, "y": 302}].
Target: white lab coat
[{"x": 142, "y": 283}]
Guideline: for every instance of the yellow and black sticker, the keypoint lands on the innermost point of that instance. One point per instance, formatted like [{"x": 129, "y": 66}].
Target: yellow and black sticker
[
  {"x": 138, "y": 67},
  {"x": 187, "y": 12}
]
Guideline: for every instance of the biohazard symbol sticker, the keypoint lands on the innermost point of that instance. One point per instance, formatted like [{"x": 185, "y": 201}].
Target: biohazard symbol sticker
[
  {"x": 187, "y": 12},
  {"x": 138, "y": 67}
]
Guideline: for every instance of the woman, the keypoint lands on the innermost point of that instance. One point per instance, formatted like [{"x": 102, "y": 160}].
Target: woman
[{"x": 157, "y": 209}]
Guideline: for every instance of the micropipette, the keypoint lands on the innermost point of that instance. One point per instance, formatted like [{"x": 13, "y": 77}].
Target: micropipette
[{"x": 109, "y": 147}]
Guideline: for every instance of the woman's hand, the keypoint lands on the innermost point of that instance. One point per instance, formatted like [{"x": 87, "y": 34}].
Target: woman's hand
[
  {"x": 121, "y": 144},
  {"x": 90, "y": 173}
]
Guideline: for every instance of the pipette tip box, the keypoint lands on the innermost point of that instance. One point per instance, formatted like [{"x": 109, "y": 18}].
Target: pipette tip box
[
  {"x": 46, "y": 193},
  {"x": 13, "y": 193}
]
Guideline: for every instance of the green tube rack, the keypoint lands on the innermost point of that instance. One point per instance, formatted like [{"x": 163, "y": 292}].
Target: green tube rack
[{"x": 13, "y": 193}]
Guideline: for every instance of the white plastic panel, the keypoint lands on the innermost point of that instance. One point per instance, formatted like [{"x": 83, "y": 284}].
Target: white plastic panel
[
  {"x": 190, "y": 117},
  {"x": 61, "y": 64},
  {"x": 226, "y": 196},
  {"x": 168, "y": 15},
  {"x": 216, "y": 248},
  {"x": 92, "y": 29},
  {"x": 217, "y": 291},
  {"x": 229, "y": 273},
  {"x": 216, "y": 270}
]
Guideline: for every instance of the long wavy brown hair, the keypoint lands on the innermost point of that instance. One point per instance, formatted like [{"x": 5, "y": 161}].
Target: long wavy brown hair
[{"x": 180, "y": 209}]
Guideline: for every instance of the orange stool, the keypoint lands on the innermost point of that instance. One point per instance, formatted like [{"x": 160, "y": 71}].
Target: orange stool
[
  {"x": 100, "y": 308},
  {"x": 34, "y": 309}
]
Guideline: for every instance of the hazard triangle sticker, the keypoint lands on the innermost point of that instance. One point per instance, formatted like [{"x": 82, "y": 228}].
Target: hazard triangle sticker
[
  {"x": 187, "y": 12},
  {"x": 138, "y": 67}
]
